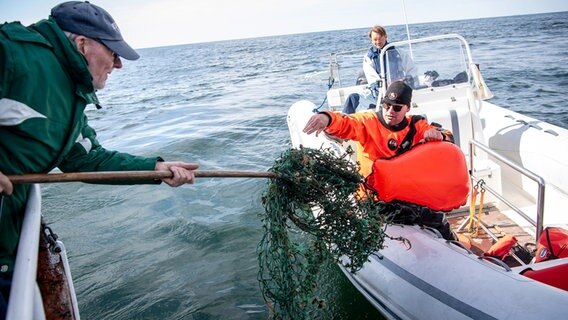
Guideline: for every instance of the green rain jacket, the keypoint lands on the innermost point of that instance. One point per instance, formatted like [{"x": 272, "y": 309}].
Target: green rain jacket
[{"x": 45, "y": 86}]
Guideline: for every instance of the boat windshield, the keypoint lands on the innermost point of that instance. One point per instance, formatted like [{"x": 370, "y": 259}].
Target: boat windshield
[{"x": 423, "y": 63}]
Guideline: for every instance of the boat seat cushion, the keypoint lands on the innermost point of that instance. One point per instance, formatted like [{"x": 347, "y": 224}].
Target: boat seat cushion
[{"x": 457, "y": 121}]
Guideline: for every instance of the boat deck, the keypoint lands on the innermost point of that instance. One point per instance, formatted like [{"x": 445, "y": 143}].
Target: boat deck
[{"x": 494, "y": 225}]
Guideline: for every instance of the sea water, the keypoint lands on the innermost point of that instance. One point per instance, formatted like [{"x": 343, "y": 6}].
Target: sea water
[{"x": 154, "y": 252}]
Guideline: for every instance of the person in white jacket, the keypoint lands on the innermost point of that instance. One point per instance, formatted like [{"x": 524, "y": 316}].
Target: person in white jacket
[{"x": 399, "y": 66}]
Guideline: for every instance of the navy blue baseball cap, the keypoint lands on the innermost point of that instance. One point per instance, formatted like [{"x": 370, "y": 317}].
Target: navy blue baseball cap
[{"x": 91, "y": 21}]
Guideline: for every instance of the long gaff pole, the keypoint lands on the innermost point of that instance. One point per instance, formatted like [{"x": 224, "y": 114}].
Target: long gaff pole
[{"x": 129, "y": 175}]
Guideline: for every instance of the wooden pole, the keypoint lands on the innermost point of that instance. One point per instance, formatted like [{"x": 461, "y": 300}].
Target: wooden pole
[{"x": 108, "y": 176}]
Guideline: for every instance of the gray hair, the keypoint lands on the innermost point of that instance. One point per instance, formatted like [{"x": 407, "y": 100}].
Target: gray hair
[{"x": 70, "y": 35}]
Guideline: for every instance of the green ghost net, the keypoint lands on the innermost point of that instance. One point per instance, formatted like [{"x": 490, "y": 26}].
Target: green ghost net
[{"x": 296, "y": 243}]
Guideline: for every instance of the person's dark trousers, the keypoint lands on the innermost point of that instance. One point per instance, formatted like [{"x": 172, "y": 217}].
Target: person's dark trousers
[{"x": 351, "y": 103}]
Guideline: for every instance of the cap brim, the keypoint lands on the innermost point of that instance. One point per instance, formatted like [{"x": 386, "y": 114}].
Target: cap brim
[{"x": 121, "y": 48}]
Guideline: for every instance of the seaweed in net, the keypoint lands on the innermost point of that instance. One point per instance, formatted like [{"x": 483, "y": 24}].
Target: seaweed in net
[{"x": 312, "y": 215}]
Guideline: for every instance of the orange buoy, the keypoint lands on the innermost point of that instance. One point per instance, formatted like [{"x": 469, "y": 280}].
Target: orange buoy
[{"x": 432, "y": 174}]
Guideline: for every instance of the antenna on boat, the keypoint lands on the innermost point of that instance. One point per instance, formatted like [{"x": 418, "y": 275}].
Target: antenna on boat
[{"x": 407, "y": 30}]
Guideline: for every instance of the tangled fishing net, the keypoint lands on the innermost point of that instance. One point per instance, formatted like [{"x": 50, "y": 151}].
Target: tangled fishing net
[{"x": 297, "y": 242}]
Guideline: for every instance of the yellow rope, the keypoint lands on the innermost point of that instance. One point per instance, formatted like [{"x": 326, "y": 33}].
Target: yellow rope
[
  {"x": 472, "y": 208},
  {"x": 482, "y": 193}
]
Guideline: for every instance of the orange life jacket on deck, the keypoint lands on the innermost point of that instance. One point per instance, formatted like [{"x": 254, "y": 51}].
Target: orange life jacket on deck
[
  {"x": 433, "y": 174},
  {"x": 502, "y": 247},
  {"x": 553, "y": 244}
]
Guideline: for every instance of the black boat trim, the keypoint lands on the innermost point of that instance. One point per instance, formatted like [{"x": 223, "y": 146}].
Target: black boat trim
[{"x": 427, "y": 288}]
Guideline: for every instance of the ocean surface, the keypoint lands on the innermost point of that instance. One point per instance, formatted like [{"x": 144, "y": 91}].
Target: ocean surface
[{"x": 155, "y": 252}]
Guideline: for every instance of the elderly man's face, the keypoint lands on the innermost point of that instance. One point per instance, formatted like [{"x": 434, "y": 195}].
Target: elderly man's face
[{"x": 100, "y": 59}]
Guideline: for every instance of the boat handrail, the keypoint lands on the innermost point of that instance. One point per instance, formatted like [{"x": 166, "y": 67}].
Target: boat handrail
[
  {"x": 24, "y": 294},
  {"x": 459, "y": 244},
  {"x": 538, "y": 224},
  {"x": 434, "y": 231},
  {"x": 496, "y": 261}
]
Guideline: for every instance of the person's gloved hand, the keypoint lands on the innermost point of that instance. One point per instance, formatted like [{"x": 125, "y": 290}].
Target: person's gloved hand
[{"x": 374, "y": 89}]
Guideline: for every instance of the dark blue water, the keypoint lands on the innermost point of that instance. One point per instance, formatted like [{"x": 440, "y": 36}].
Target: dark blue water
[{"x": 151, "y": 252}]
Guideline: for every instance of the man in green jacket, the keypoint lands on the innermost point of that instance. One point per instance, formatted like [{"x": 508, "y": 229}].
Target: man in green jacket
[{"x": 49, "y": 73}]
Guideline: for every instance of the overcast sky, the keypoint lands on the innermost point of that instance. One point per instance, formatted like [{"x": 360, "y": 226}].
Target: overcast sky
[{"x": 153, "y": 23}]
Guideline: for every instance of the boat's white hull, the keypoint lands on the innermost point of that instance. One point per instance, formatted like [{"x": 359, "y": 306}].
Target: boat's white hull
[
  {"x": 435, "y": 279},
  {"x": 537, "y": 146}
]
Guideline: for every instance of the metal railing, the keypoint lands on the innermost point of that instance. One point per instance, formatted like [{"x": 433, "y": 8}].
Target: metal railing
[{"x": 538, "y": 224}]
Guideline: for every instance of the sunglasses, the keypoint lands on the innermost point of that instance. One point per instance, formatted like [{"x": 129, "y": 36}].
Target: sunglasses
[{"x": 395, "y": 107}]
